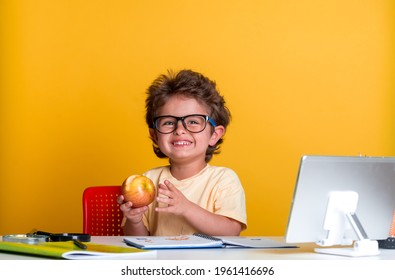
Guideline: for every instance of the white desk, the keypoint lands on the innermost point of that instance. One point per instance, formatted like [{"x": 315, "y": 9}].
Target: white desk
[{"x": 304, "y": 252}]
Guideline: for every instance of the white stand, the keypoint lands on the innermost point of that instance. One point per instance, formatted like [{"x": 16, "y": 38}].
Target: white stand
[
  {"x": 362, "y": 248},
  {"x": 339, "y": 217}
]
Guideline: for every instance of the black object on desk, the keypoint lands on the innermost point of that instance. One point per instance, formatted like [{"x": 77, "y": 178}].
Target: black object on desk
[
  {"x": 388, "y": 243},
  {"x": 77, "y": 238}
]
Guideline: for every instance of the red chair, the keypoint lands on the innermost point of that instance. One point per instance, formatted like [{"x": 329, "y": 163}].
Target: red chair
[{"x": 101, "y": 213}]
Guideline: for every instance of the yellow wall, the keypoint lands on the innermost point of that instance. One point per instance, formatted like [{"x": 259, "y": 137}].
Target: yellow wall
[{"x": 300, "y": 77}]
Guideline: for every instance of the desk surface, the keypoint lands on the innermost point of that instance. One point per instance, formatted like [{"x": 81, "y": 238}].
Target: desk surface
[{"x": 303, "y": 252}]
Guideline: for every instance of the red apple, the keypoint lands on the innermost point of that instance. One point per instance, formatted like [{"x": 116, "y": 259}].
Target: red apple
[{"x": 138, "y": 189}]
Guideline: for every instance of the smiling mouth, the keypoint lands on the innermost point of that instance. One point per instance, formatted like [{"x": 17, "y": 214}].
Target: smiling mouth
[{"x": 181, "y": 143}]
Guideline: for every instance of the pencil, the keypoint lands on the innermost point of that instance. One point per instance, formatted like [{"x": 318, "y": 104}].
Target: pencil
[{"x": 79, "y": 244}]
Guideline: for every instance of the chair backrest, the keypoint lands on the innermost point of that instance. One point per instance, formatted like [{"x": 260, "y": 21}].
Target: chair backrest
[{"x": 101, "y": 213}]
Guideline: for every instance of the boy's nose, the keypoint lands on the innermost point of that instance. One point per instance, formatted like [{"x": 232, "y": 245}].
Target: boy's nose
[{"x": 179, "y": 127}]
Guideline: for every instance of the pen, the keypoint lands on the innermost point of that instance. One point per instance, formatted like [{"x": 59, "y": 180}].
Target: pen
[{"x": 79, "y": 244}]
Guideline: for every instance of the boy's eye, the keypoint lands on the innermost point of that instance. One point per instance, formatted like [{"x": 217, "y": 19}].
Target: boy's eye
[
  {"x": 193, "y": 121},
  {"x": 167, "y": 123}
]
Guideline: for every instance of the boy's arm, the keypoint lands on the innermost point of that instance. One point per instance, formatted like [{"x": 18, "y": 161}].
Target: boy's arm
[
  {"x": 132, "y": 222},
  {"x": 202, "y": 220},
  {"x": 135, "y": 229},
  {"x": 210, "y": 223}
]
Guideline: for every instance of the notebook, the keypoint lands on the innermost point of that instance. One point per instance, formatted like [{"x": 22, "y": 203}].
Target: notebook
[
  {"x": 68, "y": 250},
  {"x": 199, "y": 240}
]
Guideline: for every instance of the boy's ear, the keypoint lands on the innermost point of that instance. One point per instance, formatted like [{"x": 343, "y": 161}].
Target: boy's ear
[
  {"x": 219, "y": 131},
  {"x": 152, "y": 134}
]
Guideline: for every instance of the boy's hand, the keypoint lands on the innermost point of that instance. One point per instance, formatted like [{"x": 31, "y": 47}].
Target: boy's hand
[
  {"x": 176, "y": 202},
  {"x": 134, "y": 215}
]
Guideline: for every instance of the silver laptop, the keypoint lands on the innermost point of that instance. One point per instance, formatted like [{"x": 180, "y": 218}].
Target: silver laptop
[{"x": 372, "y": 178}]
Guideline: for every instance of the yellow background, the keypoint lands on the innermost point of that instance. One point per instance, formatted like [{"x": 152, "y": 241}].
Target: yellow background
[{"x": 300, "y": 77}]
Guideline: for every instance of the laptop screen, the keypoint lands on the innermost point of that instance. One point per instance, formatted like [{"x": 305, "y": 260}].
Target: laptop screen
[{"x": 371, "y": 178}]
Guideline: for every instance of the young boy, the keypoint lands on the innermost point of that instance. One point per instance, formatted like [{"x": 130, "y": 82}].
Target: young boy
[{"x": 187, "y": 119}]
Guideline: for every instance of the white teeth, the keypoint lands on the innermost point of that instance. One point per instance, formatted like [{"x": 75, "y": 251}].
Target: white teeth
[{"x": 181, "y": 143}]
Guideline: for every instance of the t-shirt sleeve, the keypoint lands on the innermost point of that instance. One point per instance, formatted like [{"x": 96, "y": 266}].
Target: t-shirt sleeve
[{"x": 230, "y": 198}]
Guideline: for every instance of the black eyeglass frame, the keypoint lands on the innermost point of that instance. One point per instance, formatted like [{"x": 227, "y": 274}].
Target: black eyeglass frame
[{"x": 182, "y": 119}]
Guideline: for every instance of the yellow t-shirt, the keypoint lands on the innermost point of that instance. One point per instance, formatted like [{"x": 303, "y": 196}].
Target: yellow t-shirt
[{"x": 216, "y": 189}]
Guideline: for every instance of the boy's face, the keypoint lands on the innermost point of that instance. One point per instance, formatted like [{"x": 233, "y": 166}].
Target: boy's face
[{"x": 182, "y": 146}]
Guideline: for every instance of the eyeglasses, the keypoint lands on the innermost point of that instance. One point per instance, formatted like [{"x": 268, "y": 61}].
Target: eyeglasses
[{"x": 193, "y": 123}]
